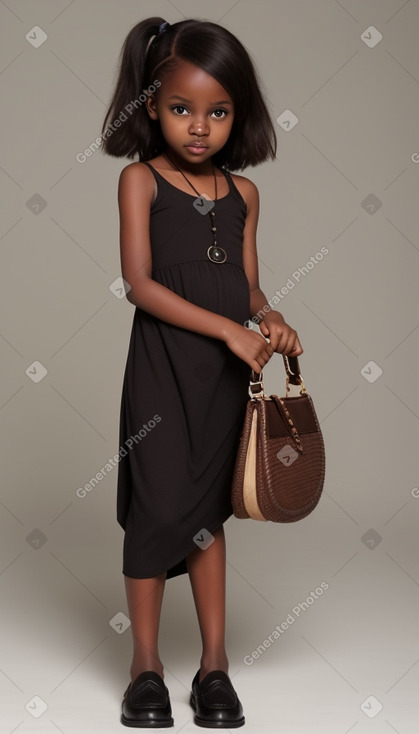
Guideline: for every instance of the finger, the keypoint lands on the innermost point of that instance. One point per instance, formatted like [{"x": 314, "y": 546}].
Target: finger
[
  {"x": 297, "y": 350},
  {"x": 283, "y": 344},
  {"x": 269, "y": 346},
  {"x": 290, "y": 345},
  {"x": 297, "y": 346},
  {"x": 268, "y": 351}
]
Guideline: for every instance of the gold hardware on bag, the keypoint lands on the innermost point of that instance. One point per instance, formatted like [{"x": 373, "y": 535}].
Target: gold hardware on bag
[
  {"x": 254, "y": 392},
  {"x": 292, "y": 376}
]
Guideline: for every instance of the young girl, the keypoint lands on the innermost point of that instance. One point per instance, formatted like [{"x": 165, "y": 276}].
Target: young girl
[{"x": 188, "y": 104}]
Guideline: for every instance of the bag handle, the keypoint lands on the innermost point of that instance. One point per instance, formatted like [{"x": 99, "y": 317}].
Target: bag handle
[{"x": 292, "y": 369}]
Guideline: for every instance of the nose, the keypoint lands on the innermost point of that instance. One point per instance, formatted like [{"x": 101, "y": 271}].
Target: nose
[{"x": 198, "y": 126}]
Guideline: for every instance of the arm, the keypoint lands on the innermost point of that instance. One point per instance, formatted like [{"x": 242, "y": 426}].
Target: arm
[
  {"x": 250, "y": 257},
  {"x": 257, "y": 303},
  {"x": 135, "y": 194},
  {"x": 282, "y": 337}
]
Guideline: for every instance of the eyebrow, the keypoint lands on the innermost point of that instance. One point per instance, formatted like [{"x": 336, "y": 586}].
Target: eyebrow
[{"x": 189, "y": 101}]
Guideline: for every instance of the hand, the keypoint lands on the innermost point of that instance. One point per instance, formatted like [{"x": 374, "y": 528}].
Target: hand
[
  {"x": 282, "y": 337},
  {"x": 250, "y": 346}
]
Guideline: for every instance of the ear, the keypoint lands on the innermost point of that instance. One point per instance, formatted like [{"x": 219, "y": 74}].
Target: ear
[{"x": 152, "y": 107}]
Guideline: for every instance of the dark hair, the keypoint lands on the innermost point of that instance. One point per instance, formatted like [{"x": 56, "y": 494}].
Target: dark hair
[{"x": 212, "y": 48}]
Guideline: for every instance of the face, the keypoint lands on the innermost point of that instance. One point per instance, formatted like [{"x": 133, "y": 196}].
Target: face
[{"x": 195, "y": 114}]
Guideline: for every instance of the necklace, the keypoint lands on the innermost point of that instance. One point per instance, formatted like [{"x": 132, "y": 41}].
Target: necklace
[{"x": 214, "y": 253}]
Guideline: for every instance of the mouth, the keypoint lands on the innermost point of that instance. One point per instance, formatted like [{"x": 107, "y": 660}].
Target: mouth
[{"x": 196, "y": 147}]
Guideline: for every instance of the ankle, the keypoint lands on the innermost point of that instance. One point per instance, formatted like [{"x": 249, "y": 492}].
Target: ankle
[
  {"x": 140, "y": 667},
  {"x": 213, "y": 662}
]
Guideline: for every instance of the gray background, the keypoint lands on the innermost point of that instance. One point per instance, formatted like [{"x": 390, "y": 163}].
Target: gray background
[{"x": 345, "y": 178}]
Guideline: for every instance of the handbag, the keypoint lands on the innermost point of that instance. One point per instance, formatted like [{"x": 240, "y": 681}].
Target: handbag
[{"x": 280, "y": 463}]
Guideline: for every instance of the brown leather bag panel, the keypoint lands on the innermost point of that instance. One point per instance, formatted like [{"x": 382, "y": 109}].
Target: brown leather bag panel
[{"x": 288, "y": 489}]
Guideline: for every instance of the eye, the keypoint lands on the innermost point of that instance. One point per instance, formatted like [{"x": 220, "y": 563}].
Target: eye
[
  {"x": 218, "y": 116},
  {"x": 179, "y": 107}
]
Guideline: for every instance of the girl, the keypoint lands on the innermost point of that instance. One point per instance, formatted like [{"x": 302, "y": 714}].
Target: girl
[{"x": 187, "y": 102}]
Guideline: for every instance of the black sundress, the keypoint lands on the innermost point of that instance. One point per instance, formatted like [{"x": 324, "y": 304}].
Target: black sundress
[{"x": 184, "y": 394}]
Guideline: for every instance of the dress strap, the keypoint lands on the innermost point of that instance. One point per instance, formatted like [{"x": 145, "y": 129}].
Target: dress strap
[
  {"x": 149, "y": 166},
  {"x": 233, "y": 188},
  {"x": 158, "y": 177}
]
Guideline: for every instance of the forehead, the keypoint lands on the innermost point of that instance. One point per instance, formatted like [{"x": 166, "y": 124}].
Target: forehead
[{"x": 192, "y": 82}]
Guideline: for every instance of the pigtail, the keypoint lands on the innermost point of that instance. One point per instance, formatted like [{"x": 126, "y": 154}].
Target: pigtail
[{"x": 127, "y": 128}]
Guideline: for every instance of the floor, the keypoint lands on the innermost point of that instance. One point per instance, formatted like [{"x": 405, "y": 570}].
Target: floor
[{"x": 319, "y": 641}]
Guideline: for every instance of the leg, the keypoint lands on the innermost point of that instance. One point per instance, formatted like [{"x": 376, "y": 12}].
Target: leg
[
  {"x": 144, "y": 597},
  {"x": 206, "y": 569}
]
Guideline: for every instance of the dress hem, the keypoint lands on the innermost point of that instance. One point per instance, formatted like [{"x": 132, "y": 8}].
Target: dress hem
[{"x": 181, "y": 563}]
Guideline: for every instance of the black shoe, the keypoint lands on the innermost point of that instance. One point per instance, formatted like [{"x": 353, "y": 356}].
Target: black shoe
[
  {"x": 215, "y": 701},
  {"x": 146, "y": 702}
]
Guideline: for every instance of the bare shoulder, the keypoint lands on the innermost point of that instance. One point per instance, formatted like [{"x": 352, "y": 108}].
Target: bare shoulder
[
  {"x": 137, "y": 179},
  {"x": 248, "y": 190}
]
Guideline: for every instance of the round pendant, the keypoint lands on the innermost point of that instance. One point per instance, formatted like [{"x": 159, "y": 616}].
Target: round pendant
[{"x": 216, "y": 254}]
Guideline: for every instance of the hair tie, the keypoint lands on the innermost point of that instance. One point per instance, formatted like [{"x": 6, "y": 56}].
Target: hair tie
[{"x": 162, "y": 28}]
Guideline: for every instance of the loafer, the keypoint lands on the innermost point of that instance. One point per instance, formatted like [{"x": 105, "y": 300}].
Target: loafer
[
  {"x": 146, "y": 702},
  {"x": 215, "y": 701}
]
